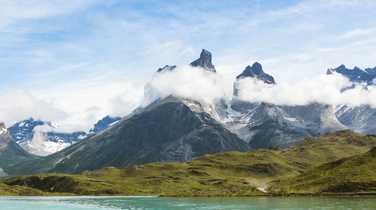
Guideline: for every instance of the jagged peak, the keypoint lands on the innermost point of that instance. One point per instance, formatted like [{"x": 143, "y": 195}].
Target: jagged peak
[
  {"x": 356, "y": 74},
  {"x": 204, "y": 61},
  {"x": 256, "y": 71},
  {"x": 256, "y": 68},
  {"x": 166, "y": 68}
]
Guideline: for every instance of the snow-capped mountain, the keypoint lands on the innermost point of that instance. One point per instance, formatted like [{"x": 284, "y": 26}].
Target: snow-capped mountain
[
  {"x": 356, "y": 75},
  {"x": 22, "y": 131},
  {"x": 359, "y": 118},
  {"x": 42, "y": 138},
  {"x": 174, "y": 128},
  {"x": 265, "y": 125}
]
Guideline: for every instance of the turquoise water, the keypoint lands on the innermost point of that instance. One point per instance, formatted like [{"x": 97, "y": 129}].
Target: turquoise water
[{"x": 154, "y": 203}]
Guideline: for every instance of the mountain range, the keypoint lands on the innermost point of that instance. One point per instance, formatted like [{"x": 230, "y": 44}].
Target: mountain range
[
  {"x": 46, "y": 141},
  {"x": 175, "y": 128}
]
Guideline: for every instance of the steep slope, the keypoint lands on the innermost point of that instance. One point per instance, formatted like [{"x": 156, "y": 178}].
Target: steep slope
[
  {"x": 359, "y": 118},
  {"x": 266, "y": 125},
  {"x": 225, "y": 174},
  {"x": 167, "y": 130},
  {"x": 104, "y": 123},
  {"x": 10, "y": 152},
  {"x": 204, "y": 61},
  {"x": 355, "y": 174}
]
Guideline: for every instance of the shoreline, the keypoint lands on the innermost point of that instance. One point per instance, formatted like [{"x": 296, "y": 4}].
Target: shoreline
[{"x": 365, "y": 194}]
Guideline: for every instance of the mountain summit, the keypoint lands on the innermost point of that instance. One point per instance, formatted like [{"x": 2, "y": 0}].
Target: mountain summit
[
  {"x": 205, "y": 61},
  {"x": 356, "y": 74},
  {"x": 256, "y": 71}
]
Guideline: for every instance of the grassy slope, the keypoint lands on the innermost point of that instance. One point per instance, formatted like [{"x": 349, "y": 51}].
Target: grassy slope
[
  {"x": 355, "y": 174},
  {"x": 227, "y": 174}
]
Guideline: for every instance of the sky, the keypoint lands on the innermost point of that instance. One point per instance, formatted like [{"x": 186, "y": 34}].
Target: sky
[{"x": 75, "y": 61}]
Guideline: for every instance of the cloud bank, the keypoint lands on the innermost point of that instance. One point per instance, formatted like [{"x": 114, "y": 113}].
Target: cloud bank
[
  {"x": 207, "y": 87},
  {"x": 79, "y": 107},
  {"x": 188, "y": 82},
  {"x": 321, "y": 89}
]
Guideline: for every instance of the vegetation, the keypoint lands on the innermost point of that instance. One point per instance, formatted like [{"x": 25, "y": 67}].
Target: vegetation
[
  {"x": 313, "y": 165},
  {"x": 356, "y": 174}
]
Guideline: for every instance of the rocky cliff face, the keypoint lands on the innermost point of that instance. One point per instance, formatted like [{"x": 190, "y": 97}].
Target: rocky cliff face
[
  {"x": 10, "y": 152},
  {"x": 204, "y": 61},
  {"x": 356, "y": 74}
]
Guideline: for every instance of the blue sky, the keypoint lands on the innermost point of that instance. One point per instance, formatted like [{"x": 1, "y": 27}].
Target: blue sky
[{"x": 77, "y": 55}]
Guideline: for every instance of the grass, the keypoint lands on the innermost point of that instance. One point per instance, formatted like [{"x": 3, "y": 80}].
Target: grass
[
  {"x": 355, "y": 174},
  {"x": 224, "y": 174}
]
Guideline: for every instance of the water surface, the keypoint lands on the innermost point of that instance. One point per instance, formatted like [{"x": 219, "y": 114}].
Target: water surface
[{"x": 155, "y": 203}]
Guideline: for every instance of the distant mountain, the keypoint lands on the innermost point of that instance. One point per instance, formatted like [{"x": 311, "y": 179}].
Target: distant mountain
[
  {"x": 104, "y": 123},
  {"x": 166, "y": 68},
  {"x": 361, "y": 119},
  {"x": 356, "y": 74},
  {"x": 22, "y": 131},
  {"x": 47, "y": 141},
  {"x": 10, "y": 152},
  {"x": 204, "y": 61}
]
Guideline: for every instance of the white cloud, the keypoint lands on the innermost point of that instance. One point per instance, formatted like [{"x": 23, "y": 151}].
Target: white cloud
[
  {"x": 205, "y": 86},
  {"x": 86, "y": 103},
  {"x": 13, "y": 10},
  {"x": 74, "y": 109},
  {"x": 321, "y": 89},
  {"x": 188, "y": 82},
  {"x": 18, "y": 105}
]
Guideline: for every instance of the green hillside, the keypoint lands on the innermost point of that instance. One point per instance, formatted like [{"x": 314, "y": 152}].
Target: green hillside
[
  {"x": 356, "y": 174},
  {"x": 225, "y": 174}
]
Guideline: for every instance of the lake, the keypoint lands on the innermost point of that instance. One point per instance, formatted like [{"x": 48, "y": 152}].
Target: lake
[{"x": 155, "y": 203}]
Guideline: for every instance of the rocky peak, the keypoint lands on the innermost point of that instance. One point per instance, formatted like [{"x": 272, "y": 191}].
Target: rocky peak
[
  {"x": 166, "y": 68},
  {"x": 205, "y": 61},
  {"x": 256, "y": 71},
  {"x": 104, "y": 123},
  {"x": 356, "y": 74}
]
